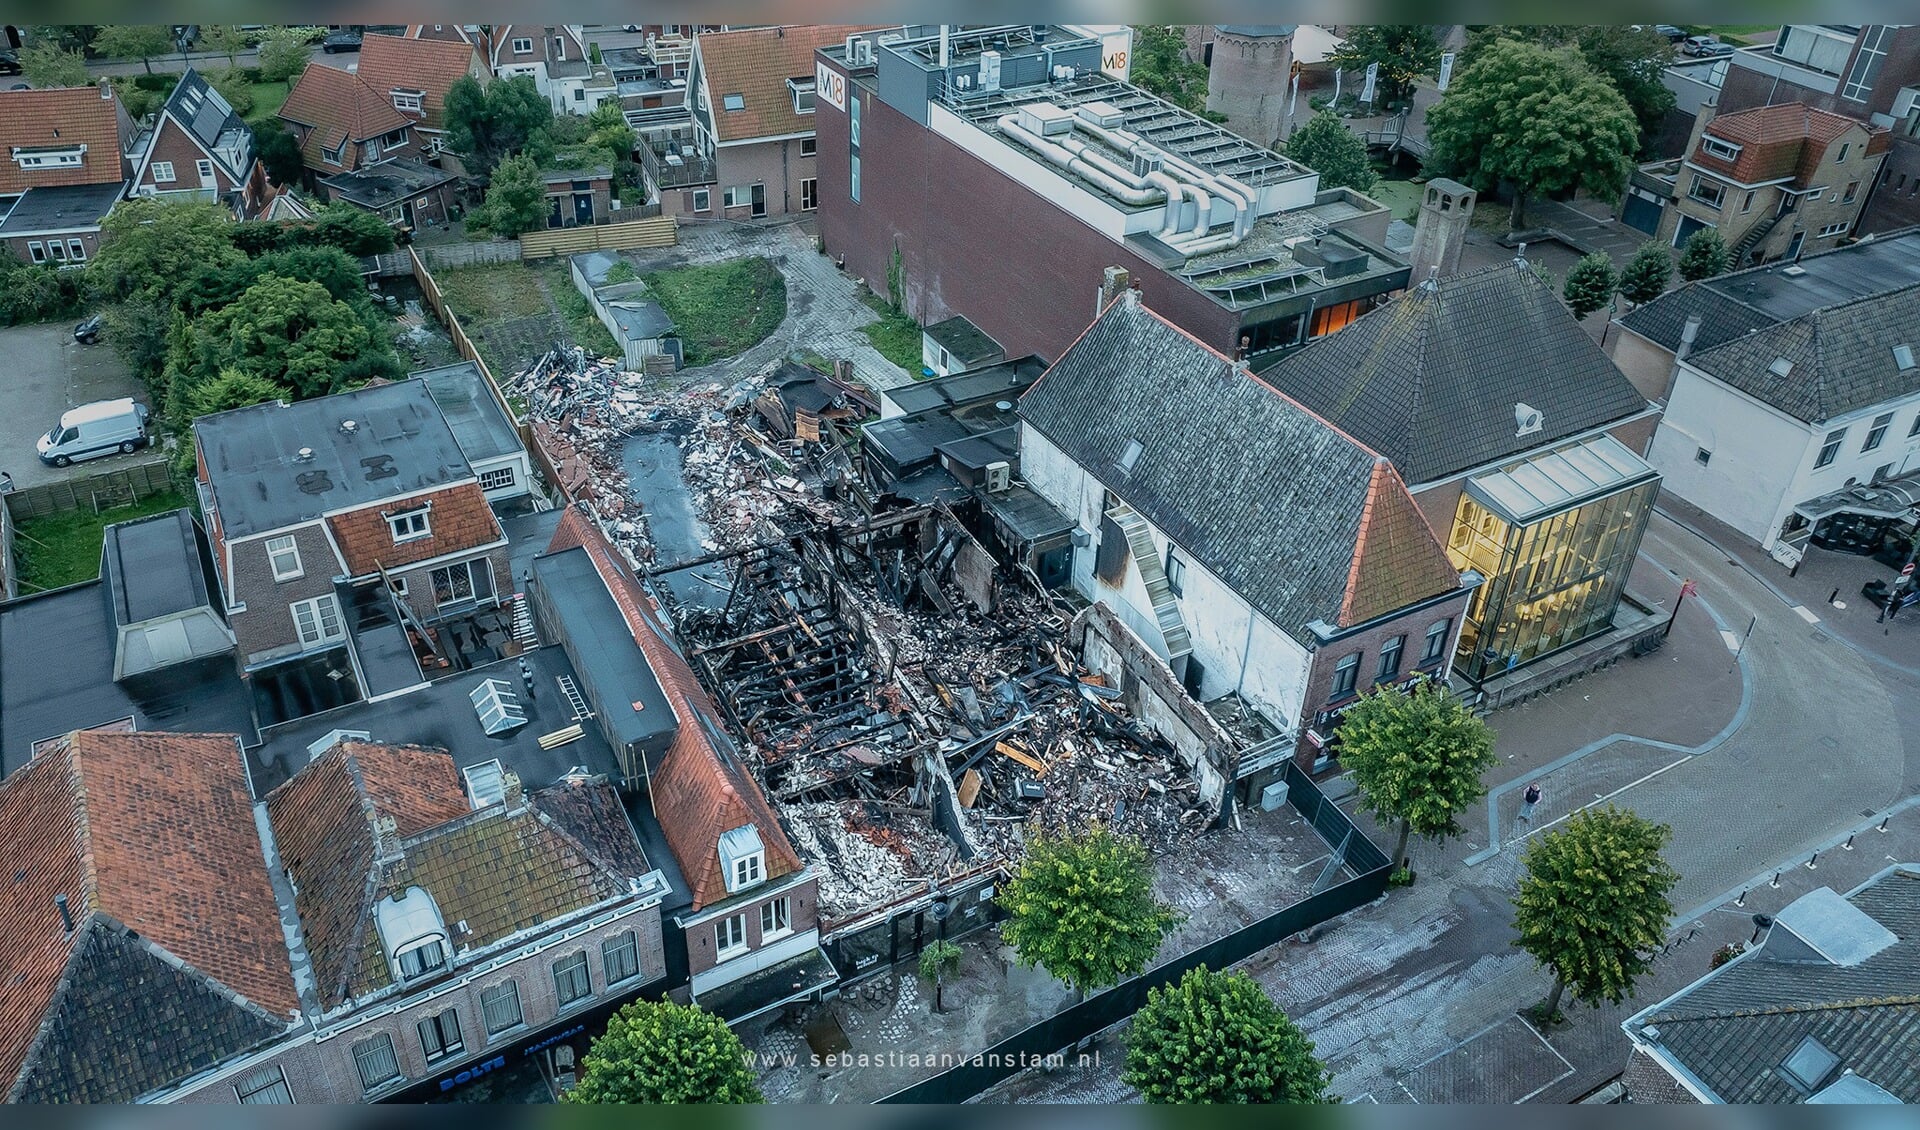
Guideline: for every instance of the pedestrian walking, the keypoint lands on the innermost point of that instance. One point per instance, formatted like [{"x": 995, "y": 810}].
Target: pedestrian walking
[{"x": 1530, "y": 798}]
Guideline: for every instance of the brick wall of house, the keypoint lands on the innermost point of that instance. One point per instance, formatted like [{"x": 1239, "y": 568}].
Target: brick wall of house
[
  {"x": 325, "y": 1071},
  {"x": 601, "y": 191},
  {"x": 776, "y": 164},
  {"x": 172, "y": 144},
  {"x": 419, "y": 582},
  {"x": 702, "y": 942},
  {"x": 1647, "y": 365},
  {"x": 266, "y": 629},
  {"x": 22, "y": 250},
  {"x": 975, "y": 241},
  {"x": 1413, "y": 625}
]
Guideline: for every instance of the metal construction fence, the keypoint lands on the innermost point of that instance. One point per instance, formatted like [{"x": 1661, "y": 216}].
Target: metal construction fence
[{"x": 1068, "y": 1027}]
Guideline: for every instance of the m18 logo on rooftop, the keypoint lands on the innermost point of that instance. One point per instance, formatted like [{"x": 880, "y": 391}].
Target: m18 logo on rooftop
[{"x": 831, "y": 85}]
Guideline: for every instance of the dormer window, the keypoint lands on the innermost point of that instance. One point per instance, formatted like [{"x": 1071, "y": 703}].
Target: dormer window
[
  {"x": 425, "y": 958},
  {"x": 66, "y": 157},
  {"x": 743, "y": 858},
  {"x": 407, "y": 100},
  {"x": 523, "y": 47},
  {"x": 1714, "y": 147},
  {"x": 411, "y": 526},
  {"x": 413, "y": 933},
  {"x": 802, "y": 90}
]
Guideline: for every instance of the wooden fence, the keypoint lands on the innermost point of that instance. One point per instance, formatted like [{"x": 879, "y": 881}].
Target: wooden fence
[
  {"x": 8, "y": 588},
  {"x": 661, "y": 231},
  {"x": 121, "y": 486},
  {"x": 437, "y": 302},
  {"x": 448, "y": 256}
]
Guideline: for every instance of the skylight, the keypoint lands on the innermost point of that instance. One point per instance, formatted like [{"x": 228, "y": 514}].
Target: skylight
[
  {"x": 1130, "y": 456},
  {"x": 498, "y": 707},
  {"x": 1903, "y": 357},
  {"x": 734, "y": 101},
  {"x": 1781, "y": 367},
  {"x": 1810, "y": 1063}
]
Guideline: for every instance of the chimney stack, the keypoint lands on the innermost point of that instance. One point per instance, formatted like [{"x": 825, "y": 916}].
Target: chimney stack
[
  {"x": 106, "y": 90},
  {"x": 510, "y": 785},
  {"x": 66, "y": 916},
  {"x": 1113, "y": 280}
]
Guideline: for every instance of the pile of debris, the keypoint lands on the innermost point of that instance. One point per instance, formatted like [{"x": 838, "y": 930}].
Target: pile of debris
[{"x": 868, "y": 853}]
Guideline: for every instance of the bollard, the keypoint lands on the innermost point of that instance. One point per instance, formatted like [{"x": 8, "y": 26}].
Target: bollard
[
  {"x": 1776, "y": 880},
  {"x": 1813, "y": 862},
  {"x": 1848, "y": 846},
  {"x": 1742, "y": 900},
  {"x": 1883, "y": 823}
]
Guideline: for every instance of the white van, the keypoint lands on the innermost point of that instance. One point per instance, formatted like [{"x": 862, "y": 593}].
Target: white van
[{"x": 100, "y": 428}]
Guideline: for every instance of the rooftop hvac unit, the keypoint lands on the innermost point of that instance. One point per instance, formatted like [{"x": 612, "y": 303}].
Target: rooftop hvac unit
[
  {"x": 1045, "y": 119},
  {"x": 989, "y": 70},
  {"x": 1144, "y": 163},
  {"x": 1103, "y": 114},
  {"x": 999, "y": 477}
]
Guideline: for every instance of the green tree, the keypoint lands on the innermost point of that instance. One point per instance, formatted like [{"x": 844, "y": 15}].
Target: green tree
[
  {"x": 230, "y": 388},
  {"x": 1590, "y": 284},
  {"x": 1405, "y": 52},
  {"x": 1703, "y": 255},
  {"x": 281, "y": 329},
  {"x": 1537, "y": 119},
  {"x": 516, "y": 199},
  {"x": 1082, "y": 908},
  {"x": 353, "y": 230},
  {"x": 1218, "y": 1038},
  {"x": 1160, "y": 66},
  {"x": 1417, "y": 757},
  {"x": 34, "y": 294},
  {"x": 1593, "y": 904},
  {"x": 1632, "y": 60},
  {"x": 279, "y": 152},
  {"x": 234, "y": 87},
  {"x": 1646, "y": 275},
  {"x": 940, "y": 960},
  {"x": 48, "y": 65},
  {"x": 486, "y": 125},
  {"x": 149, "y": 246},
  {"x": 1328, "y": 147},
  {"x": 144, "y": 42},
  {"x": 228, "y": 39},
  {"x": 657, "y": 1052},
  {"x": 284, "y": 52},
  {"x": 67, "y": 37}
]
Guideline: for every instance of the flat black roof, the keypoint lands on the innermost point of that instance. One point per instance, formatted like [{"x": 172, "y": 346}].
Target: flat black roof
[
  {"x": 388, "y": 182},
  {"x": 440, "y": 715},
  {"x": 480, "y": 426},
  {"x": 1006, "y": 380},
  {"x": 40, "y": 698},
  {"x": 964, "y": 340},
  {"x": 155, "y": 567},
  {"x": 592, "y": 625},
  {"x": 399, "y": 444},
  {"x": 59, "y": 209}
]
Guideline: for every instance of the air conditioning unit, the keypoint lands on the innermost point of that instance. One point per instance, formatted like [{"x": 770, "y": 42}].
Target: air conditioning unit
[
  {"x": 999, "y": 477},
  {"x": 1273, "y": 796},
  {"x": 1144, "y": 163},
  {"x": 989, "y": 70},
  {"x": 963, "y": 82}
]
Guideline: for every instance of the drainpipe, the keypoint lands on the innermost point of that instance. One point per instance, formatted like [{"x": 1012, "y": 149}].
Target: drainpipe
[{"x": 1688, "y": 334}]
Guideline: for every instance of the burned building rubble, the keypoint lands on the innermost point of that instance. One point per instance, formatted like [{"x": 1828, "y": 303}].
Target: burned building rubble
[{"x": 912, "y": 702}]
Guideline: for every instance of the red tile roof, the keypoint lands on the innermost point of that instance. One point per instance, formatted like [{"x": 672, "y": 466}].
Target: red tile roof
[
  {"x": 1396, "y": 559},
  {"x": 756, "y": 63},
  {"x": 700, "y": 791},
  {"x": 389, "y": 63},
  {"x": 338, "y": 105},
  {"x": 154, "y": 830},
  {"x": 323, "y": 824},
  {"x": 67, "y": 115},
  {"x": 1782, "y": 141},
  {"x": 459, "y": 519}
]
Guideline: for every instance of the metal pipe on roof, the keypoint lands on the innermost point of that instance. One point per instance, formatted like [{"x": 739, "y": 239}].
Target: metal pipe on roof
[{"x": 1010, "y": 126}]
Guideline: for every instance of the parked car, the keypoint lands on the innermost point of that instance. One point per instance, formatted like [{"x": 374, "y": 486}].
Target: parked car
[
  {"x": 100, "y": 428},
  {"x": 8, "y": 64},
  {"x": 341, "y": 41},
  {"x": 88, "y": 332},
  {"x": 629, "y": 27},
  {"x": 1673, "y": 34},
  {"x": 1705, "y": 47}
]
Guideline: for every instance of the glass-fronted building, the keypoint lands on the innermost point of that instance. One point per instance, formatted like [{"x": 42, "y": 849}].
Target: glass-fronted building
[{"x": 1555, "y": 534}]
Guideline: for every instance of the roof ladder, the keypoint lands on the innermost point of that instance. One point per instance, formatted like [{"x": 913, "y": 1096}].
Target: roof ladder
[
  {"x": 575, "y": 699},
  {"x": 523, "y": 633}
]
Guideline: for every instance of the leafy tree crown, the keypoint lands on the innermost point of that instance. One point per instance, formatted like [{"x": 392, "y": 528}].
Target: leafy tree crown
[
  {"x": 658, "y": 1052},
  {"x": 1082, "y": 908},
  {"x": 1335, "y": 152},
  {"x": 1417, "y": 756},
  {"x": 1218, "y": 1038}
]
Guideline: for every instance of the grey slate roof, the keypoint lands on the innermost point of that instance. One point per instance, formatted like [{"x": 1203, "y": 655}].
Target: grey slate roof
[
  {"x": 1431, "y": 379},
  {"x": 1842, "y": 357},
  {"x": 253, "y": 461},
  {"x": 1738, "y": 303},
  {"x": 1262, "y": 493},
  {"x": 1732, "y": 1029}
]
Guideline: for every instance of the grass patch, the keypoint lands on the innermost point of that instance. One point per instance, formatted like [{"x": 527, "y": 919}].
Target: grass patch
[
  {"x": 895, "y": 336},
  {"x": 267, "y": 99},
  {"x": 721, "y": 309},
  {"x": 64, "y": 549},
  {"x": 1402, "y": 197},
  {"x": 485, "y": 294},
  {"x": 1729, "y": 31},
  {"x": 585, "y": 328}
]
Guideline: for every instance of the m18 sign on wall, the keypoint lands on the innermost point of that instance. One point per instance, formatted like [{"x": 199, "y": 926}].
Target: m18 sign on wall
[{"x": 830, "y": 86}]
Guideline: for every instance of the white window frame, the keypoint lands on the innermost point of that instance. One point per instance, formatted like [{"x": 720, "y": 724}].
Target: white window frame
[
  {"x": 58, "y": 250},
  {"x": 410, "y": 526},
  {"x": 586, "y": 972},
  {"x": 76, "y": 251},
  {"x": 490, "y": 997},
  {"x": 730, "y": 196},
  {"x": 320, "y": 609},
  {"x": 1877, "y": 433},
  {"x": 445, "y": 1047},
  {"x": 162, "y": 172},
  {"x": 36, "y": 251},
  {"x": 277, "y": 549},
  {"x": 270, "y": 1079},
  {"x": 1725, "y": 150},
  {"x": 1833, "y": 230},
  {"x": 702, "y": 200},
  {"x": 523, "y": 45},
  {"x": 360, "y": 1051},
  {"x": 204, "y": 167},
  {"x": 800, "y": 88},
  {"x": 1438, "y": 630},
  {"x": 406, "y": 100},
  {"x": 1349, "y": 665},
  {"x": 61, "y": 159},
  {"x": 809, "y": 146},
  {"x": 749, "y": 870},
  {"x": 810, "y": 194},
  {"x": 492, "y": 480},
  {"x": 776, "y": 919},
  {"x": 560, "y": 47},
  {"x": 629, "y": 942},
  {"x": 730, "y": 937},
  {"x": 473, "y": 590},
  {"x": 435, "y": 945},
  {"x": 1696, "y": 192}
]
